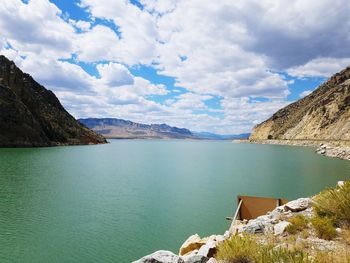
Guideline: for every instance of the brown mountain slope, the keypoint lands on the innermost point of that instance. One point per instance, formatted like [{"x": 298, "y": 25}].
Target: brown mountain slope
[
  {"x": 31, "y": 115},
  {"x": 322, "y": 115}
]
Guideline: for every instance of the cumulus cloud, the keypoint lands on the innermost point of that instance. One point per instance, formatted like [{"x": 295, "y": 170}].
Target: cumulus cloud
[
  {"x": 138, "y": 33},
  {"x": 115, "y": 74},
  {"x": 36, "y": 27},
  {"x": 81, "y": 24},
  {"x": 235, "y": 52},
  {"x": 319, "y": 67}
]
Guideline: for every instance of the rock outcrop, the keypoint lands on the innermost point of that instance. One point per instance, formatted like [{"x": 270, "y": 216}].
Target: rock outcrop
[
  {"x": 194, "y": 242},
  {"x": 31, "y": 115},
  {"x": 322, "y": 115}
]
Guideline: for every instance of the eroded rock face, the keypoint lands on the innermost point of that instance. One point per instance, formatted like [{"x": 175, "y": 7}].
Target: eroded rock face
[
  {"x": 31, "y": 115},
  {"x": 192, "y": 243},
  {"x": 196, "y": 249},
  {"x": 322, "y": 115}
]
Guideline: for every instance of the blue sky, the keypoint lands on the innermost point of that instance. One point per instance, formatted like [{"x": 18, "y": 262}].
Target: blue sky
[{"x": 205, "y": 65}]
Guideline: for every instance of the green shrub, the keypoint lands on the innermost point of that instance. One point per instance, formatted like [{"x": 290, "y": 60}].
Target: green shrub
[
  {"x": 246, "y": 250},
  {"x": 298, "y": 223},
  {"x": 334, "y": 203},
  {"x": 324, "y": 227},
  {"x": 237, "y": 250},
  {"x": 282, "y": 255}
]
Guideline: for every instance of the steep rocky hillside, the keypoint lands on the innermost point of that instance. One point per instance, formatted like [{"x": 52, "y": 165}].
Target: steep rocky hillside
[
  {"x": 322, "y": 115},
  {"x": 31, "y": 115},
  {"x": 123, "y": 129}
]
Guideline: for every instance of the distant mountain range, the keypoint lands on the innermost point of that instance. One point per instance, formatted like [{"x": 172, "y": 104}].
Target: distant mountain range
[
  {"x": 31, "y": 115},
  {"x": 124, "y": 129},
  {"x": 213, "y": 136}
]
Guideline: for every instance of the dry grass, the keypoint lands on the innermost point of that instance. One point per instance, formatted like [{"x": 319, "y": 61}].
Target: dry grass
[
  {"x": 334, "y": 203},
  {"x": 324, "y": 227},
  {"x": 246, "y": 250},
  {"x": 345, "y": 234},
  {"x": 298, "y": 223},
  {"x": 341, "y": 256}
]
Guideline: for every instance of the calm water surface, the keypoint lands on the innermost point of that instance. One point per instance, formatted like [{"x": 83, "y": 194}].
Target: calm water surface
[{"x": 118, "y": 202}]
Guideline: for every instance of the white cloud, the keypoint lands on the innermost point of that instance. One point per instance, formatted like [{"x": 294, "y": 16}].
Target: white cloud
[
  {"x": 89, "y": 51},
  {"x": 320, "y": 67},
  {"x": 81, "y": 24},
  {"x": 138, "y": 33},
  {"x": 190, "y": 101},
  {"x": 58, "y": 75},
  {"x": 36, "y": 27},
  {"x": 115, "y": 74},
  {"x": 213, "y": 45},
  {"x": 232, "y": 50}
]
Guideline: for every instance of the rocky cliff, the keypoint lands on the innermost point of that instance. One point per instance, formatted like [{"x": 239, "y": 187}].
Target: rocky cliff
[
  {"x": 31, "y": 115},
  {"x": 322, "y": 115}
]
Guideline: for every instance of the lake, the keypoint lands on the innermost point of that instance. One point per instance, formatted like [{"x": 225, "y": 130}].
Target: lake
[{"x": 120, "y": 201}]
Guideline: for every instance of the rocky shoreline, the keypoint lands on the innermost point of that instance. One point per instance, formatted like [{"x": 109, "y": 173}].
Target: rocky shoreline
[
  {"x": 335, "y": 149},
  {"x": 201, "y": 250},
  {"x": 271, "y": 226}
]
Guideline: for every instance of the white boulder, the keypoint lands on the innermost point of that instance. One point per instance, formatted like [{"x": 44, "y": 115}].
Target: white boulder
[
  {"x": 161, "y": 256},
  {"x": 280, "y": 227},
  {"x": 298, "y": 205}
]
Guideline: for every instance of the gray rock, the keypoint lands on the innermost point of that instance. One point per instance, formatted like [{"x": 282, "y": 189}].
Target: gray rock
[
  {"x": 161, "y": 256},
  {"x": 298, "y": 205},
  {"x": 196, "y": 259},
  {"x": 253, "y": 227},
  {"x": 208, "y": 250},
  {"x": 280, "y": 227},
  {"x": 262, "y": 224}
]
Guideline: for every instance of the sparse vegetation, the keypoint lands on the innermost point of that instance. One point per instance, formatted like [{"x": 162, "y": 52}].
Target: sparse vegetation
[
  {"x": 346, "y": 236},
  {"x": 333, "y": 257},
  {"x": 331, "y": 210},
  {"x": 246, "y": 250},
  {"x": 324, "y": 227},
  {"x": 297, "y": 223},
  {"x": 334, "y": 203}
]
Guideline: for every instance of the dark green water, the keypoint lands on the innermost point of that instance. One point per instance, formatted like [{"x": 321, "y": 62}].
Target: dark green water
[{"x": 118, "y": 202}]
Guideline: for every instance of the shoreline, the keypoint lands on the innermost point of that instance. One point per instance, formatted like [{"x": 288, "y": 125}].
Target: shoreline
[
  {"x": 273, "y": 230},
  {"x": 334, "y": 149}
]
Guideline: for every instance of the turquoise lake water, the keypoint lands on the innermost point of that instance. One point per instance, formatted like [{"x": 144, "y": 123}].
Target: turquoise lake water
[{"x": 121, "y": 201}]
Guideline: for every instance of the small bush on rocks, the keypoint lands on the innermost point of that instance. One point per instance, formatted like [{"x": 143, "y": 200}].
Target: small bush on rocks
[
  {"x": 324, "y": 227},
  {"x": 297, "y": 223},
  {"x": 334, "y": 203},
  {"x": 246, "y": 250}
]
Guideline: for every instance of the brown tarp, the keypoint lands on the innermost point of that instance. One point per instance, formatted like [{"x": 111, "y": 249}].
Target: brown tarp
[{"x": 252, "y": 206}]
